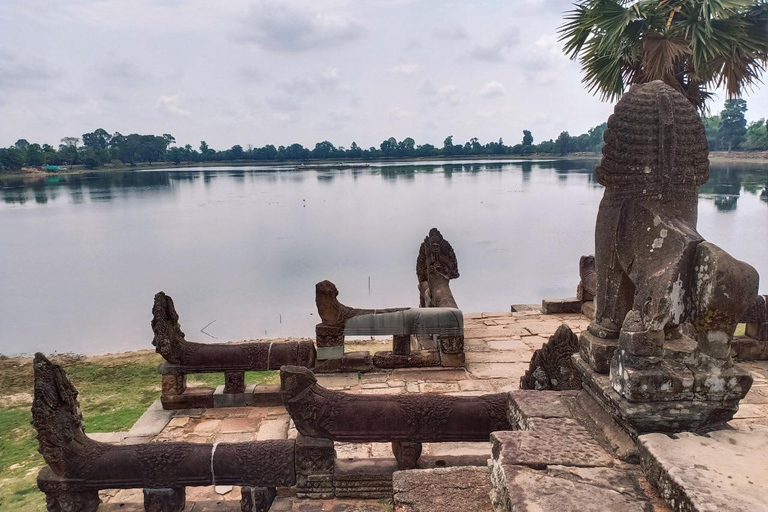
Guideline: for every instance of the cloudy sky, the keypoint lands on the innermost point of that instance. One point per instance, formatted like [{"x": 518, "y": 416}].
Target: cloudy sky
[{"x": 283, "y": 71}]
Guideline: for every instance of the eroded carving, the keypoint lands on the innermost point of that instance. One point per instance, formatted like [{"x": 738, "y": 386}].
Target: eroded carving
[
  {"x": 551, "y": 366},
  {"x": 323, "y": 413}
]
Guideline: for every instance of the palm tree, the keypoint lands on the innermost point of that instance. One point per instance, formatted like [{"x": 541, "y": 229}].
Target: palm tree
[{"x": 694, "y": 46}]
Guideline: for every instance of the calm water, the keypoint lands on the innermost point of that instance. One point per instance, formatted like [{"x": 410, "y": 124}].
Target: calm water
[{"x": 82, "y": 256}]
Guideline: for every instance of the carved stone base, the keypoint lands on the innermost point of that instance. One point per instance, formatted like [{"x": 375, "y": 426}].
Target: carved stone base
[
  {"x": 597, "y": 352},
  {"x": 256, "y": 499},
  {"x": 164, "y": 500},
  {"x": 417, "y": 358},
  {"x": 451, "y": 344},
  {"x": 315, "y": 461},
  {"x": 70, "y": 501},
  {"x": 659, "y": 416},
  {"x": 407, "y": 454},
  {"x": 452, "y": 360},
  {"x": 191, "y": 398},
  {"x": 364, "y": 479}
]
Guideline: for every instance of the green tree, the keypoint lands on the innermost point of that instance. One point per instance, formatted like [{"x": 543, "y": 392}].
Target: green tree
[
  {"x": 563, "y": 143},
  {"x": 527, "y": 138},
  {"x": 35, "y": 157},
  {"x": 98, "y": 139},
  {"x": 756, "y": 138},
  {"x": 692, "y": 45},
  {"x": 11, "y": 158},
  {"x": 733, "y": 125}
]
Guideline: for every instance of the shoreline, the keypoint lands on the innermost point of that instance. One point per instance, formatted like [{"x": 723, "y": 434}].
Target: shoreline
[{"x": 718, "y": 157}]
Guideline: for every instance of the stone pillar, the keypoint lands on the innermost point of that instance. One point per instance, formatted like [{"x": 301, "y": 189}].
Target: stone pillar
[
  {"x": 401, "y": 345},
  {"x": 174, "y": 384},
  {"x": 315, "y": 460},
  {"x": 256, "y": 499},
  {"x": 72, "y": 501},
  {"x": 330, "y": 348},
  {"x": 451, "y": 350},
  {"x": 164, "y": 500},
  {"x": 234, "y": 382}
]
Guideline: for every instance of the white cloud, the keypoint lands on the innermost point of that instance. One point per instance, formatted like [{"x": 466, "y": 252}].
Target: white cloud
[
  {"x": 492, "y": 89},
  {"x": 498, "y": 49},
  {"x": 451, "y": 33},
  {"x": 409, "y": 68},
  {"x": 280, "y": 27},
  {"x": 327, "y": 81},
  {"x": 170, "y": 105},
  {"x": 399, "y": 113}
]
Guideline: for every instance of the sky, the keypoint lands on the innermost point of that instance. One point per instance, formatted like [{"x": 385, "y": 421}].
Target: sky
[{"x": 282, "y": 71}]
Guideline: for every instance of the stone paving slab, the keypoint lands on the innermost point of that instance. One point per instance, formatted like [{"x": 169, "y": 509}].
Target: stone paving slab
[
  {"x": 724, "y": 470},
  {"x": 497, "y": 354},
  {"x": 459, "y": 489},
  {"x": 562, "y": 490}
]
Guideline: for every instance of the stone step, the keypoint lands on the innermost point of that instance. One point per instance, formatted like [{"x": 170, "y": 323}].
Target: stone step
[{"x": 719, "y": 471}]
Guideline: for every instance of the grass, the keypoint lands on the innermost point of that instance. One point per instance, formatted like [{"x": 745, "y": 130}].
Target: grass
[{"x": 114, "y": 391}]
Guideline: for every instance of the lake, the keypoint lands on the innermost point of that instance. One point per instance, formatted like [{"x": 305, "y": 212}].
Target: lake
[{"x": 241, "y": 248}]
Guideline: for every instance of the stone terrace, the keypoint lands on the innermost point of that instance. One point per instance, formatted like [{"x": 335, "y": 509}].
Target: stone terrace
[{"x": 498, "y": 349}]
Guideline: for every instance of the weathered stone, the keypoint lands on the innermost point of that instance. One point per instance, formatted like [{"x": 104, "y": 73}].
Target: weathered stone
[
  {"x": 401, "y": 345},
  {"x": 660, "y": 416},
  {"x": 359, "y": 361},
  {"x": 566, "y": 489},
  {"x": 256, "y": 499},
  {"x": 315, "y": 460},
  {"x": 749, "y": 348},
  {"x": 551, "y": 367},
  {"x": 265, "y": 395},
  {"x": 457, "y": 489},
  {"x": 452, "y": 360},
  {"x": 191, "y": 398},
  {"x": 621, "y": 443},
  {"x": 655, "y": 272},
  {"x": 723, "y": 470},
  {"x": 558, "y": 306},
  {"x": 407, "y": 454},
  {"x": 234, "y": 382},
  {"x": 364, "y": 479},
  {"x": 597, "y": 351},
  {"x": 559, "y": 441},
  {"x": 174, "y": 384},
  {"x": 414, "y": 359},
  {"x": 223, "y": 399},
  {"x": 527, "y": 404},
  {"x": 164, "y": 500},
  {"x": 70, "y": 501},
  {"x": 319, "y": 412}
]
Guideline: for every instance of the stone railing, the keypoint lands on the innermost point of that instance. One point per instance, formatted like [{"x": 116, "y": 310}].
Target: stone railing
[
  {"x": 79, "y": 467},
  {"x": 435, "y": 329},
  {"x": 323, "y": 416},
  {"x": 183, "y": 357}
]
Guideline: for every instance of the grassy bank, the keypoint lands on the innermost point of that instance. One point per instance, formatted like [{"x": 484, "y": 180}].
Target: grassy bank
[{"x": 115, "y": 390}]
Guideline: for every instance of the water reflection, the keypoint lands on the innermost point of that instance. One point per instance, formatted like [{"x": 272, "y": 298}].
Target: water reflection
[
  {"x": 726, "y": 183},
  {"x": 246, "y": 245}
]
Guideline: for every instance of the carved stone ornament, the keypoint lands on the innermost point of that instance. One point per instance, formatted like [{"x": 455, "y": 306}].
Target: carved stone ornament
[{"x": 551, "y": 366}]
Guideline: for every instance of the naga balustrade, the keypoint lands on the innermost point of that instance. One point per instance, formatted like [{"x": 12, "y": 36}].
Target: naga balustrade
[
  {"x": 183, "y": 357},
  {"x": 79, "y": 467},
  {"x": 437, "y": 325}
]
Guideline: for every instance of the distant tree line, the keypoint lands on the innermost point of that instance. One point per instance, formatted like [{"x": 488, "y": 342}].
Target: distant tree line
[
  {"x": 726, "y": 131},
  {"x": 100, "y": 148}
]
